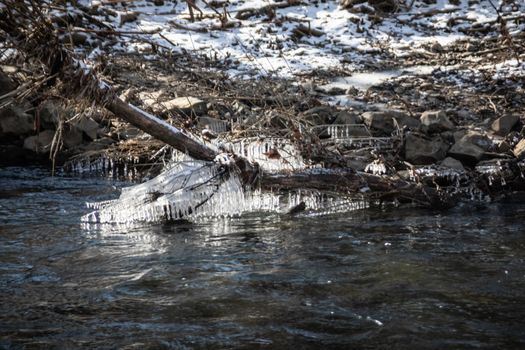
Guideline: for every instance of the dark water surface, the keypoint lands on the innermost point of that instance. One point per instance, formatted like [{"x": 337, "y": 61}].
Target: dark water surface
[{"x": 396, "y": 279}]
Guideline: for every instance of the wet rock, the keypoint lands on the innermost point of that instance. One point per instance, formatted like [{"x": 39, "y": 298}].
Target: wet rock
[
  {"x": 40, "y": 143},
  {"x": 320, "y": 115},
  {"x": 467, "y": 152},
  {"x": 88, "y": 126},
  {"x": 519, "y": 150},
  {"x": 452, "y": 163},
  {"x": 435, "y": 121},
  {"x": 421, "y": 150},
  {"x": 14, "y": 120},
  {"x": 185, "y": 105},
  {"x": 158, "y": 2},
  {"x": 345, "y": 117},
  {"x": 503, "y": 125}
]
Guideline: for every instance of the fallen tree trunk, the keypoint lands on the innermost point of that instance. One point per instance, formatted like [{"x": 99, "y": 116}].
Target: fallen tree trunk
[{"x": 160, "y": 129}]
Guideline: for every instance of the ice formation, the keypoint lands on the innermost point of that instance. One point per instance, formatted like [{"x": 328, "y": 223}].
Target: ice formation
[{"x": 192, "y": 190}]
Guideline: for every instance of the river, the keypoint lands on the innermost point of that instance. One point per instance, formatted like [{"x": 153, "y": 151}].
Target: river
[{"x": 376, "y": 278}]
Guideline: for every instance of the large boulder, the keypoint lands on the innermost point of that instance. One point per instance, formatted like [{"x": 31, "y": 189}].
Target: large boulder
[
  {"x": 422, "y": 150},
  {"x": 503, "y": 125},
  {"x": 435, "y": 121},
  {"x": 467, "y": 152}
]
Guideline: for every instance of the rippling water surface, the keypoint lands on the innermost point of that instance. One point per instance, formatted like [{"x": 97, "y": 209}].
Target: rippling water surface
[{"x": 396, "y": 278}]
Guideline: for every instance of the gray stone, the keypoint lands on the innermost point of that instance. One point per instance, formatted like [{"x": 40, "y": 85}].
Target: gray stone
[
  {"x": 40, "y": 143},
  {"x": 345, "y": 117},
  {"x": 452, "y": 163},
  {"x": 88, "y": 126},
  {"x": 421, "y": 150},
  {"x": 466, "y": 152},
  {"x": 378, "y": 121},
  {"x": 519, "y": 150},
  {"x": 14, "y": 120},
  {"x": 404, "y": 120},
  {"x": 503, "y": 125},
  {"x": 435, "y": 121},
  {"x": 478, "y": 139},
  {"x": 185, "y": 105}
]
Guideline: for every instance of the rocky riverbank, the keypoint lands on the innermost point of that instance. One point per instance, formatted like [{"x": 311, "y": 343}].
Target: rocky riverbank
[{"x": 445, "y": 114}]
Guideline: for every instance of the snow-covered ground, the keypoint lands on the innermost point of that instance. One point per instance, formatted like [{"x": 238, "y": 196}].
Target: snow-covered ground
[{"x": 265, "y": 44}]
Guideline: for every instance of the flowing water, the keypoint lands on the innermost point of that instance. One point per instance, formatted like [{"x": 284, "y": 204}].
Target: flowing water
[{"x": 393, "y": 278}]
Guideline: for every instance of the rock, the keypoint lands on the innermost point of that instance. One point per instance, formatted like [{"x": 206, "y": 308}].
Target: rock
[
  {"x": 452, "y": 163},
  {"x": 158, "y": 2},
  {"x": 344, "y": 117},
  {"x": 320, "y": 115},
  {"x": 72, "y": 137},
  {"x": 466, "y": 152},
  {"x": 503, "y": 125},
  {"x": 404, "y": 120},
  {"x": 150, "y": 99},
  {"x": 378, "y": 121},
  {"x": 128, "y": 17},
  {"x": 50, "y": 114},
  {"x": 519, "y": 150},
  {"x": 435, "y": 121},
  {"x": 185, "y": 105},
  {"x": 88, "y": 126},
  {"x": 384, "y": 121},
  {"x": 478, "y": 139},
  {"x": 421, "y": 150},
  {"x": 6, "y": 84},
  {"x": 40, "y": 143},
  {"x": 14, "y": 120}
]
